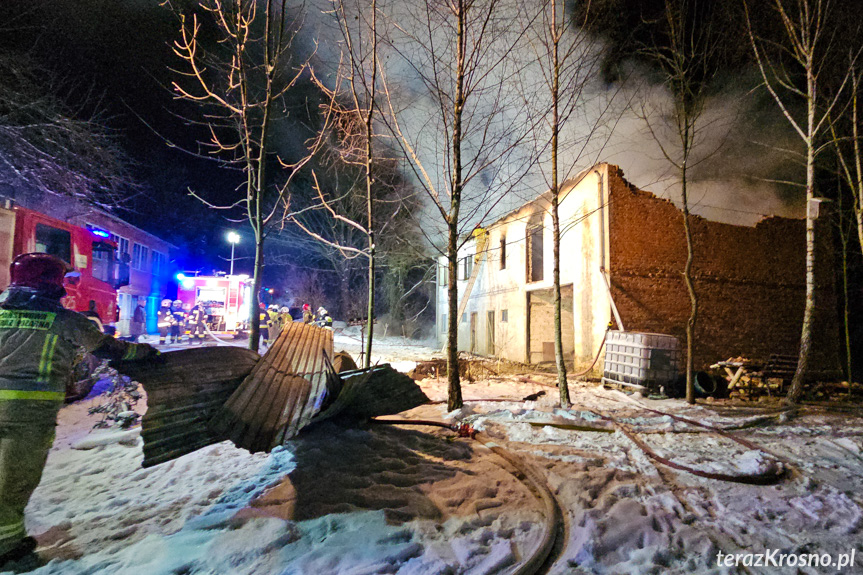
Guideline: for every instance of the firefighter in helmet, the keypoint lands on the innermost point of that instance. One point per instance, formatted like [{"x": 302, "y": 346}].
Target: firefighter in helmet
[
  {"x": 273, "y": 322},
  {"x": 38, "y": 342},
  {"x": 195, "y": 323},
  {"x": 263, "y": 326},
  {"x": 164, "y": 321},
  {"x": 179, "y": 320},
  {"x": 308, "y": 316},
  {"x": 324, "y": 319}
]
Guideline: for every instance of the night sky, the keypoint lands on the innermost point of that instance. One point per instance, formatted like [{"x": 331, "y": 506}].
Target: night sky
[{"x": 115, "y": 57}]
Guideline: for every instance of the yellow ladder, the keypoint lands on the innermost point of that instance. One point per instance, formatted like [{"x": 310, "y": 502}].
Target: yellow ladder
[{"x": 481, "y": 237}]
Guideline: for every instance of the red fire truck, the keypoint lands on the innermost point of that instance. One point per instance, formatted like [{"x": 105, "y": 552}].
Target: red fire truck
[
  {"x": 225, "y": 298},
  {"x": 89, "y": 252}
]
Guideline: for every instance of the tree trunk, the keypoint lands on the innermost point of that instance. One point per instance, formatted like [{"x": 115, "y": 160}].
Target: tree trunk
[
  {"x": 693, "y": 297},
  {"x": 846, "y": 307},
  {"x": 371, "y": 309},
  {"x": 562, "y": 384},
  {"x": 254, "y": 308},
  {"x": 369, "y": 125},
  {"x": 797, "y": 383},
  {"x": 454, "y": 399}
]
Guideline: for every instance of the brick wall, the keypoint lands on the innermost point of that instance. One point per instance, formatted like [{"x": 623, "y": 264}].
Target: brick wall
[{"x": 749, "y": 280}]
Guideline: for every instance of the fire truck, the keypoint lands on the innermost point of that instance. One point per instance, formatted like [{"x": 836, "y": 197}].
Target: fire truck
[
  {"x": 225, "y": 298},
  {"x": 89, "y": 252}
]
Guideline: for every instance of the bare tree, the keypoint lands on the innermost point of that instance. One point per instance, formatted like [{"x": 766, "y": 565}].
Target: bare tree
[
  {"x": 240, "y": 79},
  {"x": 686, "y": 48},
  {"x": 805, "y": 51},
  {"x": 569, "y": 62},
  {"x": 351, "y": 109},
  {"x": 845, "y": 137},
  {"x": 456, "y": 123},
  {"x": 48, "y": 149},
  {"x": 846, "y": 143}
]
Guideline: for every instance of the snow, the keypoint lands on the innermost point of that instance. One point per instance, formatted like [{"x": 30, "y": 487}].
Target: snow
[{"x": 414, "y": 500}]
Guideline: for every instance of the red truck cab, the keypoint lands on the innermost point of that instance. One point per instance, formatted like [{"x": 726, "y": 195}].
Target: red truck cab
[{"x": 89, "y": 252}]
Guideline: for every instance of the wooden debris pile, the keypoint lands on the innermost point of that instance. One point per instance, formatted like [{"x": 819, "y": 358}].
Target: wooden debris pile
[{"x": 751, "y": 379}]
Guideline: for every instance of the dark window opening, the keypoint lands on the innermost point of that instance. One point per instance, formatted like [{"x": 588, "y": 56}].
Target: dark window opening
[
  {"x": 54, "y": 241},
  {"x": 535, "y": 249},
  {"x": 502, "y": 252},
  {"x": 103, "y": 262},
  {"x": 466, "y": 267}
]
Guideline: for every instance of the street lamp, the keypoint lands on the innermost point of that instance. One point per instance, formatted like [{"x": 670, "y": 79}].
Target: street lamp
[{"x": 234, "y": 238}]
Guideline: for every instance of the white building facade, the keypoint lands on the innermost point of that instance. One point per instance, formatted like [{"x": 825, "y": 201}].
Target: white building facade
[{"x": 509, "y": 312}]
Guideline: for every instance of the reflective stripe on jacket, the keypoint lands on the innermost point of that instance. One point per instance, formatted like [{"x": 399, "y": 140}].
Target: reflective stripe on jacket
[{"x": 38, "y": 342}]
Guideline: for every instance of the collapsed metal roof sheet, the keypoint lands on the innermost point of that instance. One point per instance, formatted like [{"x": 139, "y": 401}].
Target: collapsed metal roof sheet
[
  {"x": 282, "y": 393},
  {"x": 184, "y": 390}
]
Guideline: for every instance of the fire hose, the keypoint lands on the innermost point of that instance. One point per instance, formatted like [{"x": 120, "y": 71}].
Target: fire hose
[{"x": 529, "y": 476}]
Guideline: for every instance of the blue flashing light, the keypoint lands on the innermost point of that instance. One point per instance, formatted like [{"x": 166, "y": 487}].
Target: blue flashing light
[
  {"x": 181, "y": 276},
  {"x": 99, "y": 232}
]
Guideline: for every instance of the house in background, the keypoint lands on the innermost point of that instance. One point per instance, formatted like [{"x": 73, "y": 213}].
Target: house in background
[
  {"x": 622, "y": 255},
  {"x": 148, "y": 271},
  {"x": 143, "y": 257}
]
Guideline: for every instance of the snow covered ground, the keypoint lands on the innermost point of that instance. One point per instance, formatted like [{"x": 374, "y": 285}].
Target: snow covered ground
[{"x": 414, "y": 500}]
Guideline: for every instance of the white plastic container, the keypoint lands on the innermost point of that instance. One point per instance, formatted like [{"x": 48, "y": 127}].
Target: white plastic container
[{"x": 649, "y": 360}]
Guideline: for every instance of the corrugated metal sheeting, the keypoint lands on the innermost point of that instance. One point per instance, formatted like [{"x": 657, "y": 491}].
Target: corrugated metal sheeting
[
  {"x": 282, "y": 393},
  {"x": 184, "y": 391},
  {"x": 197, "y": 397}
]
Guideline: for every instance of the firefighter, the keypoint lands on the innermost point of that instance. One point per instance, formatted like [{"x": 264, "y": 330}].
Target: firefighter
[
  {"x": 38, "y": 341},
  {"x": 179, "y": 320},
  {"x": 263, "y": 325},
  {"x": 164, "y": 321},
  {"x": 308, "y": 316},
  {"x": 273, "y": 322},
  {"x": 186, "y": 328},
  {"x": 324, "y": 319},
  {"x": 195, "y": 323}
]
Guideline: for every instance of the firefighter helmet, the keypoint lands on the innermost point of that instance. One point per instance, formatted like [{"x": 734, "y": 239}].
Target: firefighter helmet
[
  {"x": 36, "y": 270},
  {"x": 273, "y": 307},
  {"x": 166, "y": 302},
  {"x": 177, "y": 303},
  {"x": 307, "y": 307},
  {"x": 284, "y": 310}
]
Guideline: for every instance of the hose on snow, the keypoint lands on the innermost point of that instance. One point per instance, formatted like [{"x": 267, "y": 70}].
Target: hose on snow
[{"x": 532, "y": 479}]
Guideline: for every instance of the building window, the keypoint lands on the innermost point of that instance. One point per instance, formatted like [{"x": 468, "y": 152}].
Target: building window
[
  {"x": 502, "y": 251},
  {"x": 103, "y": 262},
  {"x": 464, "y": 318},
  {"x": 139, "y": 256},
  {"x": 504, "y": 315},
  {"x": 122, "y": 244},
  {"x": 444, "y": 275},
  {"x": 443, "y": 325},
  {"x": 535, "y": 251},
  {"x": 466, "y": 267},
  {"x": 158, "y": 259}
]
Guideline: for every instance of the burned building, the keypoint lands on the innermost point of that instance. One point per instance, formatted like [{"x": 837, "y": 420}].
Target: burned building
[{"x": 623, "y": 252}]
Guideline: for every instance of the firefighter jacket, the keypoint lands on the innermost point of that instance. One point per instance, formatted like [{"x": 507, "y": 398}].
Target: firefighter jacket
[
  {"x": 179, "y": 316},
  {"x": 38, "y": 341},
  {"x": 196, "y": 316},
  {"x": 164, "y": 317}
]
